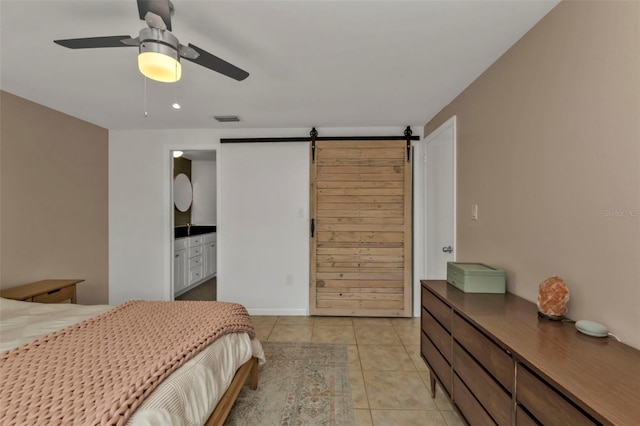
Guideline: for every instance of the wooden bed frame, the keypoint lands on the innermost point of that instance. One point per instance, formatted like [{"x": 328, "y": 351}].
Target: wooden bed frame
[{"x": 247, "y": 370}]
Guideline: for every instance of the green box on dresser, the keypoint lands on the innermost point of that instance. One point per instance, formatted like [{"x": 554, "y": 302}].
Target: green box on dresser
[{"x": 476, "y": 277}]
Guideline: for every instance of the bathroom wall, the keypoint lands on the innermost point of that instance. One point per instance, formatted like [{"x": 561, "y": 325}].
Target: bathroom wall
[
  {"x": 181, "y": 165},
  {"x": 203, "y": 211}
]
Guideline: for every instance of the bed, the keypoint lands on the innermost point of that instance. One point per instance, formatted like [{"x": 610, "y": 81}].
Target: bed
[{"x": 200, "y": 391}]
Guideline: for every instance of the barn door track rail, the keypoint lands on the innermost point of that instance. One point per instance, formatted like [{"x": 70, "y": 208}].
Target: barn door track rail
[{"x": 313, "y": 137}]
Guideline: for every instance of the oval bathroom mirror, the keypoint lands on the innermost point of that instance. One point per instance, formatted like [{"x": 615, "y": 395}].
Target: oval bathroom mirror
[{"x": 182, "y": 192}]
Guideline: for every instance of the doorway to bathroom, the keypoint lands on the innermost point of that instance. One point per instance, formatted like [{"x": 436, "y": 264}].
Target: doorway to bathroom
[{"x": 194, "y": 242}]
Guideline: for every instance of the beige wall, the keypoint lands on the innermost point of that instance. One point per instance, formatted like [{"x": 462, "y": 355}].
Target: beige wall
[
  {"x": 54, "y": 198},
  {"x": 549, "y": 148}
]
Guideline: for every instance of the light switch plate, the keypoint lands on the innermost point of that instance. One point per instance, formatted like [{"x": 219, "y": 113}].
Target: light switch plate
[{"x": 474, "y": 212}]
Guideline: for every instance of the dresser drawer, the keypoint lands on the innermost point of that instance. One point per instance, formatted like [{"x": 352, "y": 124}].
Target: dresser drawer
[
  {"x": 56, "y": 296},
  {"x": 469, "y": 405},
  {"x": 524, "y": 419},
  {"x": 438, "y": 366},
  {"x": 547, "y": 405},
  {"x": 492, "y": 397},
  {"x": 492, "y": 357},
  {"x": 195, "y": 251},
  {"x": 195, "y": 261},
  {"x": 209, "y": 238},
  {"x": 436, "y": 307},
  {"x": 438, "y": 335}
]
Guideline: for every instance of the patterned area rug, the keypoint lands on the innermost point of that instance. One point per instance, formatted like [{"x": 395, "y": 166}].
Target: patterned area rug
[{"x": 300, "y": 384}]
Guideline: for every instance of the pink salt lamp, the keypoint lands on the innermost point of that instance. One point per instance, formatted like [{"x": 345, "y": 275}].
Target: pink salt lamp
[{"x": 553, "y": 295}]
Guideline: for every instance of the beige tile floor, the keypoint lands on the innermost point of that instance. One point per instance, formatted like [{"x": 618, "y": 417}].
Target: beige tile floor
[{"x": 389, "y": 380}]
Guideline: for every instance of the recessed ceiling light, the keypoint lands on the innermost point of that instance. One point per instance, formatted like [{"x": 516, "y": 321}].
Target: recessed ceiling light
[
  {"x": 177, "y": 154},
  {"x": 175, "y": 105},
  {"x": 227, "y": 118}
]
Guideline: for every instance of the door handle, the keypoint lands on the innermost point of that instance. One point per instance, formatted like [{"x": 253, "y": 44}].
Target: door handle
[
  {"x": 313, "y": 227},
  {"x": 447, "y": 249}
]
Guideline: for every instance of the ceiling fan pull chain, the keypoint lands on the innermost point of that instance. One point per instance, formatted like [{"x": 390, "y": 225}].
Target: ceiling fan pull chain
[
  {"x": 176, "y": 103},
  {"x": 146, "y": 114}
]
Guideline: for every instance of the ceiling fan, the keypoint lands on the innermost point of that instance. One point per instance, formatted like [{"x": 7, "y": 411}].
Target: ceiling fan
[{"x": 159, "y": 50}]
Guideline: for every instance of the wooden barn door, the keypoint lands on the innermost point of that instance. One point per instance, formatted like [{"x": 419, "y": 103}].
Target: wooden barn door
[{"x": 360, "y": 208}]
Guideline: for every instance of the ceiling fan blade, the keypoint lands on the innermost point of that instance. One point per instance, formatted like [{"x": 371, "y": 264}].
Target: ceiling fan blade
[
  {"x": 162, "y": 8},
  {"x": 214, "y": 63},
  {"x": 91, "y": 42}
]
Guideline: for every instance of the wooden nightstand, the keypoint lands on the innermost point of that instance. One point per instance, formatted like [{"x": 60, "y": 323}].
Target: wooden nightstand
[{"x": 46, "y": 291}]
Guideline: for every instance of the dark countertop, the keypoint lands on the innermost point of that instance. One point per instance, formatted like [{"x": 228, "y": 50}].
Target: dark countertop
[{"x": 181, "y": 231}]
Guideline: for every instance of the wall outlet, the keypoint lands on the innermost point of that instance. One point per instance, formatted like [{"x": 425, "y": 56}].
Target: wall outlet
[
  {"x": 474, "y": 212},
  {"x": 289, "y": 279}
]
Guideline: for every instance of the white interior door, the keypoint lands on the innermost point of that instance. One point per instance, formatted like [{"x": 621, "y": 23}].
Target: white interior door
[
  {"x": 440, "y": 182},
  {"x": 434, "y": 210}
]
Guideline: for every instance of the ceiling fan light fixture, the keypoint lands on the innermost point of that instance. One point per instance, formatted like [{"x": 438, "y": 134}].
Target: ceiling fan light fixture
[
  {"x": 160, "y": 67},
  {"x": 158, "y": 58}
]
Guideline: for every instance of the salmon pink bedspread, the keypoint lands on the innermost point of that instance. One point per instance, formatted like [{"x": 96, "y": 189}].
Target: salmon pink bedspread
[{"x": 99, "y": 370}]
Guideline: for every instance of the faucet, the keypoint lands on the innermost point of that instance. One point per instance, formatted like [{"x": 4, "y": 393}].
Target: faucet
[{"x": 189, "y": 225}]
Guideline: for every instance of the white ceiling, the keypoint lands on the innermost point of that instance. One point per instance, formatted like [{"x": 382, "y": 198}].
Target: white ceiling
[{"x": 311, "y": 63}]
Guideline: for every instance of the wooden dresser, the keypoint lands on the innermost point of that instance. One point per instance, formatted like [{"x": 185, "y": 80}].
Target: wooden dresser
[
  {"x": 499, "y": 363},
  {"x": 45, "y": 291}
]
